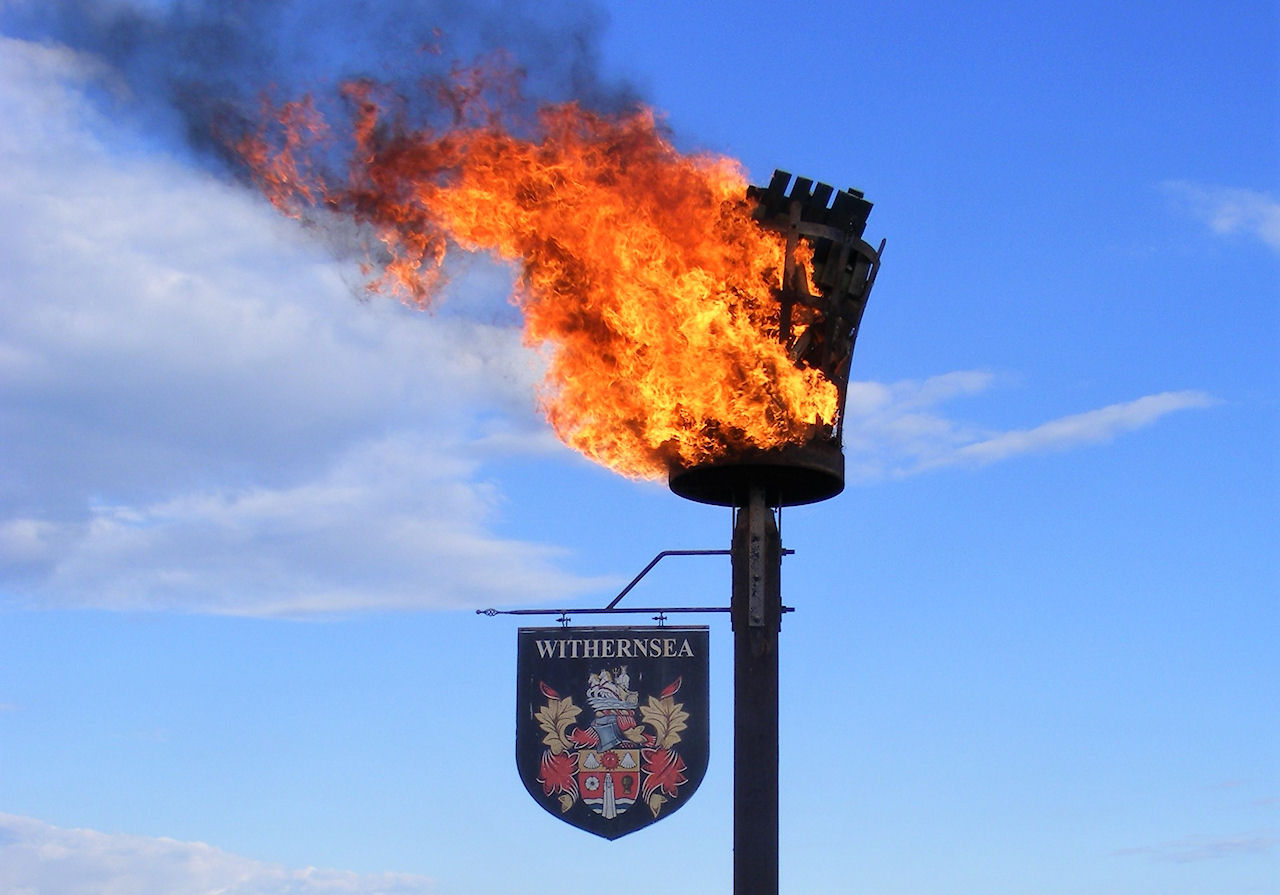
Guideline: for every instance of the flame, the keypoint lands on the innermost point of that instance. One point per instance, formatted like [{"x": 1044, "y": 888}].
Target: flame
[{"x": 640, "y": 267}]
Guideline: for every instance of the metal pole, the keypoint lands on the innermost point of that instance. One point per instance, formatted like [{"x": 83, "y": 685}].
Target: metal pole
[{"x": 756, "y": 611}]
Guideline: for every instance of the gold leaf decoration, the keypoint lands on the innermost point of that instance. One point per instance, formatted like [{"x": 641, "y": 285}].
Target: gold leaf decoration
[
  {"x": 667, "y": 718},
  {"x": 554, "y": 718},
  {"x": 566, "y": 802},
  {"x": 656, "y": 802}
]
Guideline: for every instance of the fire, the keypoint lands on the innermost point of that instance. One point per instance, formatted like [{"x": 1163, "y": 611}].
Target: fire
[{"x": 640, "y": 267}]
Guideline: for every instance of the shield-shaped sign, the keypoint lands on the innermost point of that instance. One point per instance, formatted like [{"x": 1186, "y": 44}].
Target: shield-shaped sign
[{"x": 611, "y": 725}]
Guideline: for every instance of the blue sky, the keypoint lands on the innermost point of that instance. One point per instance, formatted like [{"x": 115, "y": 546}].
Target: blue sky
[{"x": 246, "y": 518}]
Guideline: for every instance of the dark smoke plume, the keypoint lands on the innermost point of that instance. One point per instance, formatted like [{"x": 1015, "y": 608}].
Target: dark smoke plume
[{"x": 198, "y": 68}]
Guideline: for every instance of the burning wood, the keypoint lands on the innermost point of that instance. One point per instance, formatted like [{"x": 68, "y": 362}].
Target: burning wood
[{"x": 675, "y": 302}]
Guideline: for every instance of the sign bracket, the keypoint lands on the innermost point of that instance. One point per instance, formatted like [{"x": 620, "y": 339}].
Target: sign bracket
[{"x": 614, "y": 608}]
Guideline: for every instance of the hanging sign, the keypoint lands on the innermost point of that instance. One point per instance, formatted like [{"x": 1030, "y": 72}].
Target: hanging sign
[{"x": 611, "y": 725}]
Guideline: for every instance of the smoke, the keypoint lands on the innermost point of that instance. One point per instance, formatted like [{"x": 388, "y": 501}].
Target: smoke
[{"x": 196, "y": 70}]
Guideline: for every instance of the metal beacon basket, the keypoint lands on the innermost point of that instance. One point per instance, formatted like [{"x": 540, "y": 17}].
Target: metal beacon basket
[{"x": 818, "y": 323}]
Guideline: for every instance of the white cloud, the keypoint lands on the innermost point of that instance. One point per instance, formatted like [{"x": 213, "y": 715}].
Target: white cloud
[
  {"x": 38, "y": 859},
  {"x": 1206, "y": 848},
  {"x": 395, "y": 524},
  {"x": 197, "y": 415},
  {"x": 1091, "y": 427},
  {"x": 1228, "y": 210},
  {"x": 898, "y": 430}
]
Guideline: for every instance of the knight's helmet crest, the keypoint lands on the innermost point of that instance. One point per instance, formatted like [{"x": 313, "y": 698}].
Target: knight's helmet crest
[{"x": 611, "y": 690}]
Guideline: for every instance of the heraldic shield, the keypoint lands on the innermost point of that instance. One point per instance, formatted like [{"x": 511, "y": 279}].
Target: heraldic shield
[{"x": 611, "y": 725}]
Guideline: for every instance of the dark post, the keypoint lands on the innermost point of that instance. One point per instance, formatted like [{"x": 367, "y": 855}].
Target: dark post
[{"x": 756, "y": 611}]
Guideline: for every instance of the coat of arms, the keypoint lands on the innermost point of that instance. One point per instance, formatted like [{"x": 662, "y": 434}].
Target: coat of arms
[{"x": 612, "y": 727}]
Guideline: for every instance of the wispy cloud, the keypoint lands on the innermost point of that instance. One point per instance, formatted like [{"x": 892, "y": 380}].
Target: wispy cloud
[
  {"x": 1230, "y": 210},
  {"x": 36, "y": 857},
  {"x": 397, "y": 524},
  {"x": 1205, "y": 848},
  {"x": 1090, "y": 427},
  {"x": 900, "y": 429}
]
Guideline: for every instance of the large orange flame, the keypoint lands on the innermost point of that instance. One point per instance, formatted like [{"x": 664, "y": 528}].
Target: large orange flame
[{"x": 640, "y": 266}]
